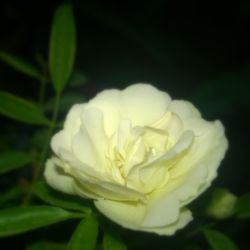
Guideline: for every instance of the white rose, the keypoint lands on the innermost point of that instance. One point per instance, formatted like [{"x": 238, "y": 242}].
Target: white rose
[{"x": 139, "y": 155}]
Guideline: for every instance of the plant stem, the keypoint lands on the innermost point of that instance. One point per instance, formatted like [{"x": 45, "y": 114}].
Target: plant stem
[
  {"x": 43, "y": 79},
  {"x": 50, "y": 131},
  {"x": 39, "y": 167},
  {"x": 43, "y": 83}
]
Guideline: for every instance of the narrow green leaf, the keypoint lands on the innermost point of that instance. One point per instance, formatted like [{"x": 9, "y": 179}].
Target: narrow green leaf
[
  {"x": 242, "y": 210},
  {"x": 22, "y": 219},
  {"x": 20, "y": 65},
  {"x": 219, "y": 241},
  {"x": 85, "y": 235},
  {"x": 39, "y": 138},
  {"x": 11, "y": 194},
  {"x": 47, "y": 194},
  {"x": 46, "y": 245},
  {"x": 110, "y": 242},
  {"x": 62, "y": 46},
  {"x": 10, "y": 160},
  {"x": 21, "y": 110}
]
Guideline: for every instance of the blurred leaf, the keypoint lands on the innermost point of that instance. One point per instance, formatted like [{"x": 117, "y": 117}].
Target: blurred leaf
[
  {"x": 11, "y": 194},
  {"x": 219, "y": 241},
  {"x": 85, "y": 235},
  {"x": 62, "y": 46},
  {"x": 78, "y": 79},
  {"x": 21, "y": 110},
  {"x": 20, "y": 65},
  {"x": 66, "y": 102},
  {"x": 46, "y": 245},
  {"x": 39, "y": 138},
  {"x": 21, "y": 219},
  {"x": 47, "y": 194},
  {"x": 242, "y": 209},
  {"x": 110, "y": 242},
  {"x": 10, "y": 160},
  {"x": 220, "y": 95},
  {"x": 222, "y": 204}
]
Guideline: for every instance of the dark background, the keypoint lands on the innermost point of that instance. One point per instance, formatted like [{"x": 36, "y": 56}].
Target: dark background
[{"x": 194, "y": 50}]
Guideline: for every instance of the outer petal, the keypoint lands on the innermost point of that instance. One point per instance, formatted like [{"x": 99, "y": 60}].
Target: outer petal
[
  {"x": 61, "y": 140},
  {"x": 57, "y": 179},
  {"x": 140, "y": 100},
  {"x": 133, "y": 103},
  {"x": 127, "y": 214},
  {"x": 210, "y": 142},
  {"x": 184, "y": 109},
  {"x": 130, "y": 215},
  {"x": 73, "y": 122},
  {"x": 188, "y": 183},
  {"x": 93, "y": 121},
  {"x": 90, "y": 143},
  {"x": 161, "y": 212},
  {"x": 185, "y": 217},
  {"x": 109, "y": 102}
]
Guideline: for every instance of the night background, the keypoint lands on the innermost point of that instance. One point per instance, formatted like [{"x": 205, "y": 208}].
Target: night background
[{"x": 194, "y": 50}]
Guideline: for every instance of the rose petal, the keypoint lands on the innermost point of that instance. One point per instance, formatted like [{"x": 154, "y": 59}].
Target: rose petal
[
  {"x": 61, "y": 140},
  {"x": 130, "y": 215},
  {"x": 109, "y": 102},
  {"x": 184, "y": 109},
  {"x": 164, "y": 161},
  {"x": 161, "y": 211},
  {"x": 57, "y": 179},
  {"x": 140, "y": 100},
  {"x": 111, "y": 191},
  {"x": 184, "y": 218},
  {"x": 127, "y": 214},
  {"x": 202, "y": 166},
  {"x": 72, "y": 123},
  {"x": 211, "y": 136},
  {"x": 89, "y": 144}
]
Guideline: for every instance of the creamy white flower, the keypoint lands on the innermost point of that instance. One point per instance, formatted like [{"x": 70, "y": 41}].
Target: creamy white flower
[{"x": 139, "y": 155}]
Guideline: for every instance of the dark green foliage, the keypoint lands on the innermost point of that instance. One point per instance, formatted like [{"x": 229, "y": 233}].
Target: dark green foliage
[{"x": 116, "y": 49}]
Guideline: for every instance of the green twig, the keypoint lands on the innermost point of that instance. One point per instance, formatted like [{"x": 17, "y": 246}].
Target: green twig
[
  {"x": 43, "y": 84},
  {"x": 39, "y": 167},
  {"x": 43, "y": 79}
]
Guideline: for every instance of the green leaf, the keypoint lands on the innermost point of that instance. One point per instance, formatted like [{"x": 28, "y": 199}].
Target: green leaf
[
  {"x": 47, "y": 194},
  {"x": 66, "y": 102},
  {"x": 85, "y": 235},
  {"x": 39, "y": 138},
  {"x": 20, "y": 65},
  {"x": 242, "y": 210},
  {"x": 110, "y": 242},
  {"x": 11, "y": 194},
  {"x": 22, "y": 219},
  {"x": 21, "y": 110},
  {"x": 218, "y": 240},
  {"x": 10, "y": 160},
  {"x": 46, "y": 245},
  {"x": 62, "y": 46}
]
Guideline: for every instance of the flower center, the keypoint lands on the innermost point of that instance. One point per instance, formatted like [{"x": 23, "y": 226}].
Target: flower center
[{"x": 133, "y": 146}]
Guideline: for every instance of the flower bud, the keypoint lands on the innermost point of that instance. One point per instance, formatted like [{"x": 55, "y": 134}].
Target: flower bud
[{"x": 222, "y": 204}]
